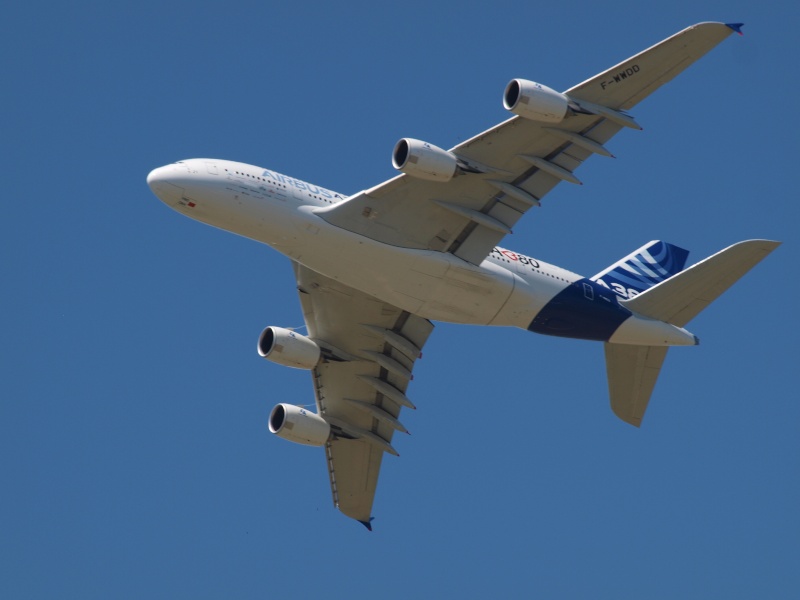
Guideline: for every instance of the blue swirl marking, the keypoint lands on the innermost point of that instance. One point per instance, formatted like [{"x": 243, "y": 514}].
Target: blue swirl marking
[{"x": 644, "y": 268}]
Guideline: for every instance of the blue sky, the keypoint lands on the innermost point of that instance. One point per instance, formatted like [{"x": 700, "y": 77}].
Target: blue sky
[{"x": 134, "y": 454}]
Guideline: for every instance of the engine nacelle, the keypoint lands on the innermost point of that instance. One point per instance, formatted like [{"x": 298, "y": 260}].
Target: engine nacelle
[
  {"x": 288, "y": 348},
  {"x": 298, "y": 425},
  {"x": 535, "y": 101},
  {"x": 424, "y": 160}
]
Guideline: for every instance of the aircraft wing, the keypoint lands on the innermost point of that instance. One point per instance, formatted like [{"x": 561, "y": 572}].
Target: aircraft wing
[
  {"x": 362, "y": 392},
  {"x": 512, "y": 166}
]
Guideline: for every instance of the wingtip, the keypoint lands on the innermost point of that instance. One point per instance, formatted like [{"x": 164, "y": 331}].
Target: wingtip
[
  {"x": 737, "y": 27},
  {"x": 367, "y": 524}
]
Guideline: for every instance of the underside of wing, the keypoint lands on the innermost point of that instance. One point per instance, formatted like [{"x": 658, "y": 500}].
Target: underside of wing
[
  {"x": 506, "y": 170},
  {"x": 473, "y": 212},
  {"x": 360, "y": 389}
]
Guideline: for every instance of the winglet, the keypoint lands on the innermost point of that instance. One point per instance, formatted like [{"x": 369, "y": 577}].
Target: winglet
[
  {"x": 737, "y": 27},
  {"x": 367, "y": 524}
]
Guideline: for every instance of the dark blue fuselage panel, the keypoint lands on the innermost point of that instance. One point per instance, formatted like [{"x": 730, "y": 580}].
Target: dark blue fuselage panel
[{"x": 585, "y": 310}]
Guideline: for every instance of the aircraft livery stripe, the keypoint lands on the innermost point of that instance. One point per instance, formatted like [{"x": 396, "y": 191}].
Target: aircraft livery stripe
[{"x": 584, "y": 310}]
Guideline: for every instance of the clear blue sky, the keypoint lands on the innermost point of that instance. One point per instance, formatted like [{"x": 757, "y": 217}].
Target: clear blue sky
[{"x": 135, "y": 459}]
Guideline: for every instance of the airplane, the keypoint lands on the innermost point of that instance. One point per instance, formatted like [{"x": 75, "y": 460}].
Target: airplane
[{"x": 374, "y": 269}]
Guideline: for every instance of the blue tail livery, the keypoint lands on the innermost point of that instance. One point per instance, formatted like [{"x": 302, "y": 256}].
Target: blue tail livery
[{"x": 642, "y": 269}]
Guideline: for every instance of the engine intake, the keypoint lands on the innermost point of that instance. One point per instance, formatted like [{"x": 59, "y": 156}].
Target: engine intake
[
  {"x": 423, "y": 160},
  {"x": 298, "y": 425},
  {"x": 287, "y": 348},
  {"x": 535, "y": 101}
]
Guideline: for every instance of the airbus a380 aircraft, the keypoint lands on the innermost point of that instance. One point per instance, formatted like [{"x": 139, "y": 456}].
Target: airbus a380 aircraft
[{"x": 375, "y": 268}]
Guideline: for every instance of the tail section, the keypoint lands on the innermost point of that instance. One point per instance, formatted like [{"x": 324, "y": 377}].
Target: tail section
[
  {"x": 680, "y": 299},
  {"x": 651, "y": 264},
  {"x": 633, "y": 370}
]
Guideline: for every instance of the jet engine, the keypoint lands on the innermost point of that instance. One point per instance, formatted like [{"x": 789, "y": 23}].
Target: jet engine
[
  {"x": 298, "y": 425},
  {"x": 535, "y": 101},
  {"x": 424, "y": 160},
  {"x": 288, "y": 348}
]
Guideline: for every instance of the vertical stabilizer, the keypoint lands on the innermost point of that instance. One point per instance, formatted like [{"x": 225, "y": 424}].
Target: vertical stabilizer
[
  {"x": 642, "y": 269},
  {"x": 632, "y": 374}
]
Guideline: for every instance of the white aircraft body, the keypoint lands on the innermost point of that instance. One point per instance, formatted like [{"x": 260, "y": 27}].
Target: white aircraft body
[{"x": 374, "y": 269}]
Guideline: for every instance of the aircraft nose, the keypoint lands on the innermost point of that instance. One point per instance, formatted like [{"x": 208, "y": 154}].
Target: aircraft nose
[
  {"x": 162, "y": 182},
  {"x": 157, "y": 177}
]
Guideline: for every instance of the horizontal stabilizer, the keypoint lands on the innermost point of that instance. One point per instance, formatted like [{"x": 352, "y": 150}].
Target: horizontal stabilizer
[
  {"x": 681, "y": 297},
  {"x": 632, "y": 373}
]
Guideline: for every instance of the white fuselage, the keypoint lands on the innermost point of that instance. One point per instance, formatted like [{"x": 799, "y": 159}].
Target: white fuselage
[{"x": 506, "y": 289}]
